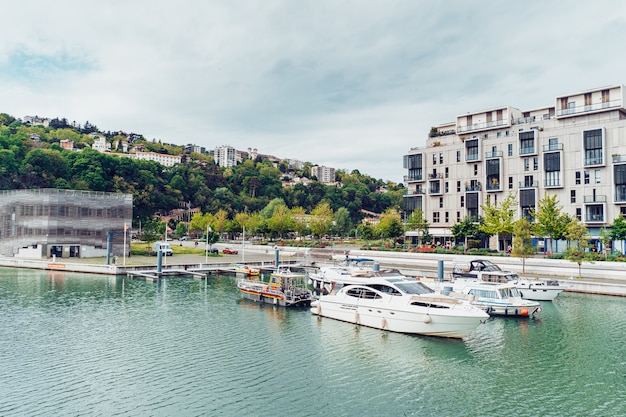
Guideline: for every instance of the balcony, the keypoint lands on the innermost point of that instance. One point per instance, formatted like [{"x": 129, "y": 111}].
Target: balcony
[
  {"x": 416, "y": 177},
  {"x": 596, "y": 160},
  {"x": 491, "y": 155},
  {"x": 556, "y": 183},
  {"x": 617, "y": 159},
  {"x": 594, "y": 199},
  {"x": 434, "y": 176},
  {"x": 529, "y": 150},
  {"x": 476, "y": 187},
  {"x": 552, "y": 147},
  {"x": 529, "y": 184},
  {"x": 620, "y": 197},
  {"x": 572, "y": 111},
  {"x": 481, "y": 126},
  {"x": 471, "y": 157}
]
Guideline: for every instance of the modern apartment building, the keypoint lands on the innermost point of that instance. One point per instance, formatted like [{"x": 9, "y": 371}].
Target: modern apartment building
[
  {"x": 575, "y": 149},
  {"x": 225, "y": 156},
  {"x": 323, "y": 173}
]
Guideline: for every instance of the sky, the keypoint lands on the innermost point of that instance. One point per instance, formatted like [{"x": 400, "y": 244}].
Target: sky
[{"x": 346, "y": 84}]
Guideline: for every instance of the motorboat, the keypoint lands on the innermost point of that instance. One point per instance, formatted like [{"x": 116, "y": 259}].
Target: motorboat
[
  {"x": 350, "y": 271},
  {"x": 501, "y": 299},
  {"x": 486, "y": 271},
  {"x": 285, "y": 288},
  {"x": 246, "y": 270},
  {"x": 399, "y": 304}
]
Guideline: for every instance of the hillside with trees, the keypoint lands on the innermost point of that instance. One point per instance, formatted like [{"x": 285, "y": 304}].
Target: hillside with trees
[{"x": 31, "y": 157}]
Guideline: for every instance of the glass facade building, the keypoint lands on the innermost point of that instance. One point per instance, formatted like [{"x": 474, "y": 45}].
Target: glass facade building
[{"x": 43, "y": 223}]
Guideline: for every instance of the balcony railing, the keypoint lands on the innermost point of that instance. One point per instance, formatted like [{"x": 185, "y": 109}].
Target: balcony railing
[
  {"x": 589, "y": 108},
  {"x": 471, "y": 157},
  {"x": 553, "y": 147},
  {"x": 620, "y": 197},
  {"x": 552, "y": 183},
  {"x": 412, "y": 178},
  {"x": 618, "y": 158},
  {"x": 495, "y": 154},
  {"x": 596, "y": 160},
  {"x": 481, "y": 126},
  {"x": 433, "y": 176},
  {"x": 594, "y": 218},
  {"x": 529, "y": 150},
  {"x": 594, "y": 199},
  {"x": 476, "y": 187},
  {"x": 529, "y": 184}
]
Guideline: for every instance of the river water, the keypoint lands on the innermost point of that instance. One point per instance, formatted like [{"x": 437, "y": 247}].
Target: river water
[{"x": 74, "y": 345}]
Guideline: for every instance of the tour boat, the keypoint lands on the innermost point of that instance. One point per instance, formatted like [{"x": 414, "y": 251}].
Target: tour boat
[
  {"x": 501, "y": 299},
  {"x": 399, "y": 304},
  {"x": 486, "y": 271},
  {"x": 246, "y": 269},
  {"x": 285, "y": 288}
]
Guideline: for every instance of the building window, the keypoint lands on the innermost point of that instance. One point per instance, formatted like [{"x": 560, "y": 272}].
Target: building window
[
  {"x": 499, "y": 135},
  {"x": 458, "y": 186},
  {"x": 579, "y": 214},
  {"x": 458, "y": 156},
  {"x": 447, "y": 172},
  {"x": 527, "y": 143},
  {"x": 510, "y": 183},
  {"x": 526, "y": 164},
  {"x": 434, "y": 159},
  {"x": 552, "y": 166},
  {"x": 592, "y": 143},
  {"x": 471, "y": 148},
  {"x": 435, "y": 217},
  {"x": 577, "y": 177},
  {"x": 447, "y": 217},
  {"x": 535, "y": 163},
  {"x": 507, "y": 133},
  {"x": 598, "y": 176},
  {"x": 510, "y": 147},
  {"x": 594, "y": 213},
  {"x": 462, "y": 201},
  {"x": 458, "y": 216},
  {"x": 441, "y": 158},
  {"x": 414, "y": 165},
  {"x": 440, "y": 202},
  {"x": 446, "y": 186},
  {"x": 528, "y": 181},
  {"x": 572, "y": 196},
  {"x": 475, "y": 169},
  {"x": 586, "y": 177}
]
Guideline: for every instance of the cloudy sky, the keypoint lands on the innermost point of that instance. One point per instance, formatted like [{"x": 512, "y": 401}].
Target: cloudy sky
[{"x": 347, "y": 84}]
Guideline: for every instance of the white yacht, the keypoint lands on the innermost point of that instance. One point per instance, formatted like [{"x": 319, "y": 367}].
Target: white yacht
[
  {"x": 501, "y": 299},
  {"x": 350, "y": 271},
  {"x": 486, "y": 271},
  {"x": 399, "y": 304}
]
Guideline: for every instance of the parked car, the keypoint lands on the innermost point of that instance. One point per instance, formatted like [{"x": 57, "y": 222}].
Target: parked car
[
  {"x": 214, "y": 250},
  {"x": 184, "y": 238},
  {"x": 229, "y": 251},
  {"x": 163, "y": 247}
]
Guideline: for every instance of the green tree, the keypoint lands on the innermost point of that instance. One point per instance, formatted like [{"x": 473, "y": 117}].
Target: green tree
[
  {"x": 522, "y": 241},
  {"x": 181, "y": 229},
  {"x": 549, "y": 220},
  {"x": 321, "y": 219},
  {"x": 468, "y": 228},
  {"x": 343, "y": 222},
  {"x": 618, "y": 230},
  {"x": 417, "y": 222},
  {"x": 578, "y": 237},
  {"x": 151, "y": 231},
  {"x": 389, "y": 225},
  {"x": 498, "y": 218},
  {"x": 281, "y": 221}
]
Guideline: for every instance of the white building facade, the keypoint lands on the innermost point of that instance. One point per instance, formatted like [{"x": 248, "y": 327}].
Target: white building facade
[
  {"x": 324, "y": 174},
  {"x": 574, "y": 149},
  {"x": 225, "y": 156}
]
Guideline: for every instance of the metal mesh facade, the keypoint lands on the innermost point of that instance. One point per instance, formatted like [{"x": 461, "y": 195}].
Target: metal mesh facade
[{"x": 52, "y": 218}]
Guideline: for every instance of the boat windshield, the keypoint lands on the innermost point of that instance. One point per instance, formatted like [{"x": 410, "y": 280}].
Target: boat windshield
[
  {"x": 509, "y": 292},
  {"x": 413, "y": 287},
  {"x": 488, "y": 266}
]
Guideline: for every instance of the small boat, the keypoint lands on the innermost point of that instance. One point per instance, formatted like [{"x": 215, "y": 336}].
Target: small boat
[
  {"x": 500, "y": 299},
  {"x": 486, "y": 271},
  {"x": 246, "y": 270},
  {"x": 400, "y": 304},
  {"x": 285, "y": 288}
]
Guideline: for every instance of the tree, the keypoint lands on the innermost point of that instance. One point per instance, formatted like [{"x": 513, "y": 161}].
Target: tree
[
  {"x": 281, "y": 220},
  {"x": 468, "y": 228},
  {"x": 389, "y": 225},
  {"x": 181, "y": 229},
  {"x": 343, "y": 222},
  {"x": 151, "y": 231},
  {"x": 321, "y": 219},
  {"x": 522, "y": 241},
  {"x": 618, "y": 230},
  {"x": 578, "y": 237},
  {"x": 498, "y": 218},
  {"x": 549, "y": 221},
  {"x": 417, "y": 222}
]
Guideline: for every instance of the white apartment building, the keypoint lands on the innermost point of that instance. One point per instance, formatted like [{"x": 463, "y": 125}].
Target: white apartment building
[
  {"x": 575, "y": 148},
  {"x": 163, "y": 159},
  {"x": 324, "y": 174},
  {"x": 225, "y": 156}
]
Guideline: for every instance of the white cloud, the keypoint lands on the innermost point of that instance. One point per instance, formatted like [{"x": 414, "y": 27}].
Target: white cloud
[{"x": 352, "y": 85}]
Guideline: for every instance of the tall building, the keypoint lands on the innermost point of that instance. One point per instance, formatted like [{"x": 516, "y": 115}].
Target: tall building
[
  {"x": 225, "y": 156},
  {"x": 574, "y": 149},
  {"x": 324, "y": 174}
]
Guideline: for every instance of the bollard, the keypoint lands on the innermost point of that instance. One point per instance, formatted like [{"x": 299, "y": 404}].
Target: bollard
[
  {"x": 159, "y": 261},
  {"x": 276, "y": 256},
  {"x": 440, "y": 270}
]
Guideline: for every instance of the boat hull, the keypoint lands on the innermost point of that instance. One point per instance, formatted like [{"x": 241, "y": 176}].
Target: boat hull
[{"x": 457, "y": 322}]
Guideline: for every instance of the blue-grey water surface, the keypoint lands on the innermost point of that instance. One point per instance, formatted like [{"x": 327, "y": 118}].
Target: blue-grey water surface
[{"x": 75, "y": 345}]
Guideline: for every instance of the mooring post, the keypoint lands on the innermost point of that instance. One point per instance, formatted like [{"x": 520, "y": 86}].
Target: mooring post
[
  {"x": 159, "y": 261},
  {"x": 440, "y": 270}
]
